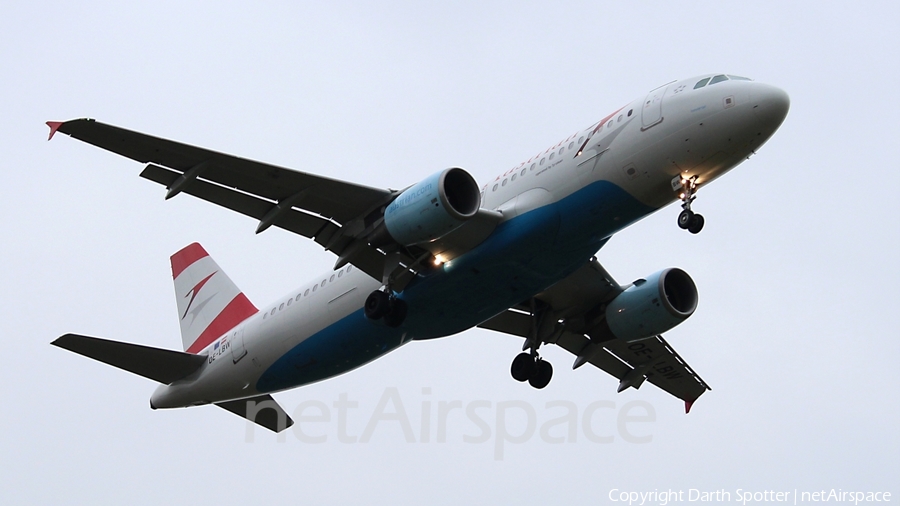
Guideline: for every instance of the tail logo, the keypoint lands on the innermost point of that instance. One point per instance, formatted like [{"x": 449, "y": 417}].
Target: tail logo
[{"x": 193, "y": 294}]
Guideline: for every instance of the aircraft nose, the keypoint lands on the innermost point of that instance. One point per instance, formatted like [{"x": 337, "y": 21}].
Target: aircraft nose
[{"x": 771, "y": 105}]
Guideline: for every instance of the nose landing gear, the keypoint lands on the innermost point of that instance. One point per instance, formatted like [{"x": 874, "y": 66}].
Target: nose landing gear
[{"x": 687, "y": 219}]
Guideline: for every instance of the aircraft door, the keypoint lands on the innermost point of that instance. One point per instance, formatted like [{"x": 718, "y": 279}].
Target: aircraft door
[
  {"x": 651, "y": 112},
  {"x": 238, "y": 351}
]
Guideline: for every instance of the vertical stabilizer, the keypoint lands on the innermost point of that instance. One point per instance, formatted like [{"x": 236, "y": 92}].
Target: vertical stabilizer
[{"x": 209, "y": 303}]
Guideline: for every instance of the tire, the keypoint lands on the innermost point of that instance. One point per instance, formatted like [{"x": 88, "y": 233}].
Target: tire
[
  {"x": 541, "y": 375},
  {"x": 696, "y": 224},
  {"x": 396, "y": 315},
  {"x": 522, "y": 367},
  {"x": 378, "y": 304},
  {"x": 685, "y": 218}
]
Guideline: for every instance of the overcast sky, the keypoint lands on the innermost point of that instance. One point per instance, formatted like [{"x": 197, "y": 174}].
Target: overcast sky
[{"x": 797, "y": 267}]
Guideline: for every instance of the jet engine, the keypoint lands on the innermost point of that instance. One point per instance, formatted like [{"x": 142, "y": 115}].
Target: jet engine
[
  {"x": 433, "y": 207},
  {"x": 652, "y": 306}
]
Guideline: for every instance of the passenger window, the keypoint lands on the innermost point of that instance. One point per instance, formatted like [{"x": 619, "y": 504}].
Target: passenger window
[
  {"x": 297, "y": 298},
  {"x": 542, "y": 161},
  {"x": 495, "y": 187},
  {"x": 331, "y": 278},
  {"x": 264, "y": 315},
  {"x": 273, "y": 311},
  {"x": 571, "y": 144},
  {"x": 620, "y": 119},
  {"x": 514, "y": 177},
  {"x": 701, "y": 83},
  {"x": 323, "y": 283},
  {"x": 349, "y": 267},
  {"x": 289, "y": 301},
  {"x": 718, "y": 79},
  {"x": 522, "y": 173},
  {"x": 561, "y": 150},
  {"x": 580, "y": 139},
  {"x": 314, "y": 287},
  {"x": 532, "y": 166},
  {"x": 609, "y": 125},
  {"x": 552, "y": 155},
  {"x": 281, "y": 306},
  {"x": 306, "y": 292},
  {"x": 340, "y": 272},
  {"x": 629, "y": 112}
]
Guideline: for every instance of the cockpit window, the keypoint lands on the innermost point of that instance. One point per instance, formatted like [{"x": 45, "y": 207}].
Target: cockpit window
[
  {"x": 718, "y": 79},
  {"x": 701, "y": 83},
  {"x": 739, "y": 78}
]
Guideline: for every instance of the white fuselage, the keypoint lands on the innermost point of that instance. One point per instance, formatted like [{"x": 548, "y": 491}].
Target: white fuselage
[{"x": 575, "y": 194}]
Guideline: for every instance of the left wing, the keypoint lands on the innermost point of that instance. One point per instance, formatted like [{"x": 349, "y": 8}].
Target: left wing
[
  {"x": 564, "y": 315},
  {"x": 336, "y": 214}
]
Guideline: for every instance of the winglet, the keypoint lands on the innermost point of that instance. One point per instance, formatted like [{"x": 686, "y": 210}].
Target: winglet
[
  {"x": 54, "y": 126},
  {"x": 687, "y": 406}
]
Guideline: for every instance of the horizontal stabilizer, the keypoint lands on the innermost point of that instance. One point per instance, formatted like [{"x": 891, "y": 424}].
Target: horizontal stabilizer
[
  {"x": 164, "y": 366},
  {"x": 261, "y": 410}
]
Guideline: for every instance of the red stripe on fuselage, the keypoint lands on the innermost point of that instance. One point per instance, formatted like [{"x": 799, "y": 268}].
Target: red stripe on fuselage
[
  {"x": 239, "y": 309},
  {"x": 187, "y": 256}
]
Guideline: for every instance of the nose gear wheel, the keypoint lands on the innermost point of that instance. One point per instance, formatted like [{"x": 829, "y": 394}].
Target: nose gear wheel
[{"x": 687, "y": 219}]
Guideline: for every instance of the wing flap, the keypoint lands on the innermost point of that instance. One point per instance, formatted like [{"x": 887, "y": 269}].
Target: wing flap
[
  {"x": 662, "y": 366},
  {"x": 293, "y": 220},
  {"x": 578, "y": 344},
  {"x": 164, "y": 366}
]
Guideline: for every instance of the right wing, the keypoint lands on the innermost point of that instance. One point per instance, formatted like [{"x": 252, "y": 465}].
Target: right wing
[
  {"x": 330, "y": 211},
  {"x": 565, "y": 315},
  {"x": 336, "y": 214}
]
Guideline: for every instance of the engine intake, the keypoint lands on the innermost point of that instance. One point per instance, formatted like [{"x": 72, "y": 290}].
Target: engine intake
[
  {"x": 652, "y": 306},
  {"x": 433, "y": 207}
]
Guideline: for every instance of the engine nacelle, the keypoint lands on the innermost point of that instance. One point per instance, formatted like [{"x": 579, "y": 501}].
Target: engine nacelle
[
  {"x": 652, "y": 306},
  {"x": 433, "y": 207}
]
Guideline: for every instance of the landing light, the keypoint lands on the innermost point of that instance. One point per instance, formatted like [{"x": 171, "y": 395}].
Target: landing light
[{"x": 438, "y": 260}]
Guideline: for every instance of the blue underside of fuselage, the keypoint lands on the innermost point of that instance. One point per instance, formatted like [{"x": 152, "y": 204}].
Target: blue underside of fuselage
[{"x": 523, "y": 256}]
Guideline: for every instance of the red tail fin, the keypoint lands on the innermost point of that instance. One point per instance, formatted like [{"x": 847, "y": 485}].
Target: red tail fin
[{"x": 209, "y": 303}]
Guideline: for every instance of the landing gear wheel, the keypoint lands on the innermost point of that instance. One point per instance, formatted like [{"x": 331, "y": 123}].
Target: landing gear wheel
[
  {"x": 397, "y": 313},
  {"x": 685, "y": 219},
  {"x": 541, "y": 375},
  {"x": 522, "y": 367},
  {"x": 696, "y": 224},
  {"x": 378, "y": 304}
]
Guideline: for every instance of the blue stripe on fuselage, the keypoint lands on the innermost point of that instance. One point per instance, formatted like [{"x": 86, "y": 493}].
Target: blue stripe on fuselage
[{"x": 524, "y": 256}]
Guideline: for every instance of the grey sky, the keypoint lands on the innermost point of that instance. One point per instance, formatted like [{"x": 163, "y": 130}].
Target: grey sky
[{"x": 797, "y": 267}]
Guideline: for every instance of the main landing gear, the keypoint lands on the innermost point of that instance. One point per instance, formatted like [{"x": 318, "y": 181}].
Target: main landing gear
[
  {"x": 688, "y": 220},
  {"x": 381, "y": 305},
  {"x": 531, "y": 368},
  {"x": 545, "y": 328}
]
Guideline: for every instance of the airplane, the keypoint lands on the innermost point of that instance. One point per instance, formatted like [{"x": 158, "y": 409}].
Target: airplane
[{"x": 516, "y": 256}]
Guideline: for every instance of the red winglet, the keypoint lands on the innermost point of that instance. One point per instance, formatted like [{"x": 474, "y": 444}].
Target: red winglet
[
  {"x": 687, "y": 406},
  {"x": 54, "y": 126}
]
